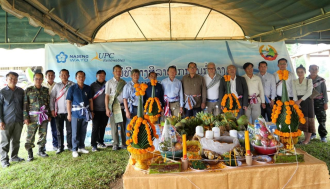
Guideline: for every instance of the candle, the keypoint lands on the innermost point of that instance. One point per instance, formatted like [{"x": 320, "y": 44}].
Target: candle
[
  {"x": 247, "y": 143},
  {"x": 165, "y": 159},
  {"x": 216, "y": 132},
  {"x": 209, "y": 134},
  {"x": 184, "y": 144},
  {"x": 233, "y": 133},
  {"x": 200, "y": 131}
]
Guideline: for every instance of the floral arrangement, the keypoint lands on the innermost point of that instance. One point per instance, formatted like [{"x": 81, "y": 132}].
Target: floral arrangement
[
  {"x": 141, "y": 131},
  {"x": 230, "y": 101},
  {"x": 153, "y": 107},
  {"x": 287, "y": 115}
]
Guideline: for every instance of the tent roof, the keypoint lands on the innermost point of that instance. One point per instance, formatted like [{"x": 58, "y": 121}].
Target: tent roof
[{"x": 79, "y": 21}]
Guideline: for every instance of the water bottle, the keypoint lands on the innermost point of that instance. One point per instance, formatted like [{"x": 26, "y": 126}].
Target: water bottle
[
  {"x": 217, "y": 112},
  {"x": 206, "y": 110},
  {"x": 256, "y": 127}
]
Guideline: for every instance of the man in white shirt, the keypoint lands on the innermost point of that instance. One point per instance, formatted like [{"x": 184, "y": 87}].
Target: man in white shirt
[
  {"x": 212, "y": 80},
  {"x": 268, "y": 82},
  {"x": 256, "y": 92},
  {"x": 282, "y": 65},
  {"x": 173, "y": 94},
  {"x": 59, "y": 110},
  {"x": 114, "y": 106},
  {"x": 49, "y": 83}
]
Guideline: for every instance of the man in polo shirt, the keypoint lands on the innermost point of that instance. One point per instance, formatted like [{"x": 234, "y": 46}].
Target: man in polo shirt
[
  {"x": 100, "y": 120},
  {"x": 80, "y": 111},
  {"x": 131, "y": 101},
  {"x": 36, "y": 115},
  {"x": 256, "y": 92},
  {"x": 49, "y": 83},
  {"x": 159, "y": 93},
  {"x": 173, "y": 93},
  {"x": 282, "y": 65},
  {"x": 212, "y": 80},
  {"x": 194, "y": 90},
  {"x": 11, "y": 119},
  {"x": 115, "y": 107},
  {"x": 269, "y": 85},
  {"x": 59, "y": 111}
]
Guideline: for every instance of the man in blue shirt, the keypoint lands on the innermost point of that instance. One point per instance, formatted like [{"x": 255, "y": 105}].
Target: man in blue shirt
[
  {"x": 159, "y": 93},
  {"x": 80, "y": 111}
]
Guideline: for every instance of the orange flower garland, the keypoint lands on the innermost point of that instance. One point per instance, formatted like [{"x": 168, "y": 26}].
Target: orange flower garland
[
  {"x": 283, "y": 74},
  {"x": 148, "y": 107},
  {"x": 227, "y": 77},
  {"x": 230, "y": 97},
  {"x": 153, "y": 82},
  {"x": 285, "y": 134}
]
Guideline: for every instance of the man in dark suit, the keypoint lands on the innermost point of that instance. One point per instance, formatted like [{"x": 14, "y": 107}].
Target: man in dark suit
[{"x": 238, "y": 86}]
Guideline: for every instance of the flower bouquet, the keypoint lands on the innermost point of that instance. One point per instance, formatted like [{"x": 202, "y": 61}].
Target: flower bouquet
[
  {"x": 287, "y": 116},
  {"x": 141, "y": 133},
  {"x": 230, "y": 101},
  {"x": 153, "y": 107}
]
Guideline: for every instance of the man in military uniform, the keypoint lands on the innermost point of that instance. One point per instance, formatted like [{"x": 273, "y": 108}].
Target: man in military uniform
[
  {"x": 36, "y": 115},
  {"x": 320, "y": 101}
]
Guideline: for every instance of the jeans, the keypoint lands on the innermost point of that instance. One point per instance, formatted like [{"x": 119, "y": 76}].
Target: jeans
[
  {"x": 100, "y": 122},
  {"x": 79, "y": 129},
  {"x": 60, "y": 118},
  {"x": 10, "y": 137},
  {"x": 54, "y": 132}
]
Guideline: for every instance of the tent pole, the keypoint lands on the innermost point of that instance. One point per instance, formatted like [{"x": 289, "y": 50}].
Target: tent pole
[
  {"x": 169, "y": 9},
  {"x": 36, "y": 34},
  {"x": 203, "y": 23},
  {"x": 137, "y": 26},
  {"x": 6, "y": 20}
]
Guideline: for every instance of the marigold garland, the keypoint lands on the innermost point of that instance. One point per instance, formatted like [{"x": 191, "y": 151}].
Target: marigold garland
[
  {"x": 153, "y": 82},
  {"x": 285, "y": 134},
  {"x": 283, "y": 74},
  {"x": 230, "y": 108}
]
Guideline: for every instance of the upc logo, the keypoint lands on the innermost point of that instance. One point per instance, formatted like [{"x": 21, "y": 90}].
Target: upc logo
[{"x": 61, "y": 58}]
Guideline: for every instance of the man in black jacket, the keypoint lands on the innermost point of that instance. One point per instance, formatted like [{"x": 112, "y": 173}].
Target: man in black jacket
[{"x": 238, "y": 86}]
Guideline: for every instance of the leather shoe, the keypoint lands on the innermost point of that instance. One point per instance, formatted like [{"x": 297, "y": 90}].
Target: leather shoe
[
  {"x": 59, "y": 151},
  {"x": 17, "y": 159},
  {"x": 5, "y": 164}
]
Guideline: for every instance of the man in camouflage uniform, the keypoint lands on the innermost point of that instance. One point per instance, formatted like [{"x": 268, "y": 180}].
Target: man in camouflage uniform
[
  {"x": 36, "y": 115},
  {"x": 320, "y": 101}
]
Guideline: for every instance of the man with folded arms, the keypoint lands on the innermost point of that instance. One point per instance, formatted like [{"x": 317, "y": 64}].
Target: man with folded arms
[
  {"x": 212, "y": 80},
  {"x": 256, "y": 92},
  {"x": 59, "y": 111},
  {"x": 11, "y": 119},
  {"x": 114, "y": 104},
  {"x": 49, "y": 83},
  {"x": 36, "y": 115},
  {"x": 173, "y": 94},
  {"x": 194, "y": 91},
  {"x": 80, "y": 111}
]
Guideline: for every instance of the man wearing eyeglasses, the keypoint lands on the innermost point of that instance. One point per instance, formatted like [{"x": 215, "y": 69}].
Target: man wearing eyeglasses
[
  {"x": 194, "y": 90},
  {"x": 212, "y": 80},
  {"x": 282, "y": 65}
]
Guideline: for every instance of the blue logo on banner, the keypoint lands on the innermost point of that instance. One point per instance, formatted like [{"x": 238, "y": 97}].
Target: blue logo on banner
[{"x": 61, "y": 58}]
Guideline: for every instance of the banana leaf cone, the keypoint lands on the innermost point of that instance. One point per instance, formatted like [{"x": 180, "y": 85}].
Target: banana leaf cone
[
  {"x": 140, "y": 137},
  {"x": 282, "y": 116}
]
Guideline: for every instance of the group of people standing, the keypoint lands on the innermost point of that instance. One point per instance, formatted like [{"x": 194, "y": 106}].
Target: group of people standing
[{"x": 74, "y": 104}]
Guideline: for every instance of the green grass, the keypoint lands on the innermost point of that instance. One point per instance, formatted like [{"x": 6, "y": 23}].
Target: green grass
[{"x": 94, "y": 170}]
